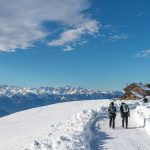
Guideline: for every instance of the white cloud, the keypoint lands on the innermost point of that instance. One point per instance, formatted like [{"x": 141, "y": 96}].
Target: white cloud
[
  {"x": 144, "y": 53},
  {"x": 68, "y": 48},
  {"x": 113, "y": 33},
  {"x": 72, "y": 35},
  {"x": 118, "y": 37},
  {"x": 21, "y": 22}
]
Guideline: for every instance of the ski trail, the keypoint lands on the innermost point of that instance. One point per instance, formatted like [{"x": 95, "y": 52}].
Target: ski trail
[{"x": 105, "y": 138}]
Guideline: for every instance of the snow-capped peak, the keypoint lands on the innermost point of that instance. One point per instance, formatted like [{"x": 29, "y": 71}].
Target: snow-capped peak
[{"x": 67, "y": 90}]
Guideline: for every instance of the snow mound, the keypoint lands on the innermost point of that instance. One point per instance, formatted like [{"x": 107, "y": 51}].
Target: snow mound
[
  {"x": 75, "y": 134},
  {"x": 142, "y": 116}
]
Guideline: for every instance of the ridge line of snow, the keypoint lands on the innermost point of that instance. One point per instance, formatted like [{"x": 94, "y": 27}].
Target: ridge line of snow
[
  {"x": 75, "y": 134},
  {"x": 14, "y": 90}
]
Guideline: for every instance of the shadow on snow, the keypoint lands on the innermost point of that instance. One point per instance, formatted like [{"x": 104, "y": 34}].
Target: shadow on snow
[{"x": 99, "y": 138}]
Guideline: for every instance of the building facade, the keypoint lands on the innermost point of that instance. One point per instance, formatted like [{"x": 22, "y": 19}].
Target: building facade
[{"x": 135, "y": 91}]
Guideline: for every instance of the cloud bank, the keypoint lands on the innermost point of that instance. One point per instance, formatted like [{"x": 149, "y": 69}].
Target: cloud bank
[
  {"x": 72, "y": 35},
  {"x": 22, "y": 22},
  {"x": 143, "y": 54}
]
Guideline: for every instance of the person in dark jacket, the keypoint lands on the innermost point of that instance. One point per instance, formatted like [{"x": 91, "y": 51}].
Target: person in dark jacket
[
  {"x": 112, "y": 115},
  {"x": 145, "y": 100},
  {"x": 125, "y": 113}
]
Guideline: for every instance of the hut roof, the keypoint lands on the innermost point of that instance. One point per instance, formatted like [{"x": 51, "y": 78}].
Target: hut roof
[
  {"x": 137, "y": 94},
  {"x": 141, "y": 85}
]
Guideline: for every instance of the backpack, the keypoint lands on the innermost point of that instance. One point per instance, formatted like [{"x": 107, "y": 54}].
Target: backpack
[
  {"x": 112, "y": 110},
  {"x": 125, "y": 108}
]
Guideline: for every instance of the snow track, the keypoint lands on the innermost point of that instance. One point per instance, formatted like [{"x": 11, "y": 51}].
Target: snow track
[{"x": 133, "y": 138}]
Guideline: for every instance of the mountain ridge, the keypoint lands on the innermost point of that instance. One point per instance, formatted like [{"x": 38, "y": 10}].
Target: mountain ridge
[
  {"x": 13, "y": 90},
  {"x": 14, "y": 99}
]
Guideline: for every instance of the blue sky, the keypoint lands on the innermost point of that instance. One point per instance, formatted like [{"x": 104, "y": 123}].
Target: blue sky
[{"x": 99, "y": 44}]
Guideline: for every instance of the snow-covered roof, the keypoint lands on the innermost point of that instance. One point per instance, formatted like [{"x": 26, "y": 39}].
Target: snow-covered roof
[
  {"x": 141, "y": 85},
  {"x": 137, "y": 94}
]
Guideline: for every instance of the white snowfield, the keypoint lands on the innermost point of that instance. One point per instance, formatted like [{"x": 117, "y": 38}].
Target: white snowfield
[
  {"x": 75, "y": 126},
  {"x": 142, "y": 115}
]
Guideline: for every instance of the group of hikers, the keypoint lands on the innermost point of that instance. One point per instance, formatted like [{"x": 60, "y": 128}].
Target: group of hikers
[{"x": 124, "y": 112}]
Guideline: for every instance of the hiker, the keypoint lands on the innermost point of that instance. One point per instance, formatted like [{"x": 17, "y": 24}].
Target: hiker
[
  {"x": 145, "y": 100},
  {"x": 125, "y": 113},
  {"x": 112, "y": 115}
]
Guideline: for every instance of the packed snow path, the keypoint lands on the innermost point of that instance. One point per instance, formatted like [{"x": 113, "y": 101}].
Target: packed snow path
[{"x": 105, "y": 138}]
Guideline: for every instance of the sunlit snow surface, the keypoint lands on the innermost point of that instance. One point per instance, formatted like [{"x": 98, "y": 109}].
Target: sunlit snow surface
[{"x": 71, "y": 126}]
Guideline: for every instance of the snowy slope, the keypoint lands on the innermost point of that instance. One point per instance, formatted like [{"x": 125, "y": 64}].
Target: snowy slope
[
  {"x": 73, "y": 126},
  {"x": 19, "y": 130}
]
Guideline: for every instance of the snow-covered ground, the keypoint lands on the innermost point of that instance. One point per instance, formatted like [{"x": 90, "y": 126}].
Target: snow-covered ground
[
  {"x": 142, "y": 115},
  {"x": 19, "y": 130},
  {"x": 72, "y": 126}
]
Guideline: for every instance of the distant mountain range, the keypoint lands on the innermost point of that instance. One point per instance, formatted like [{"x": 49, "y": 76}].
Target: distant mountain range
[{"x": 13, "y": 99}]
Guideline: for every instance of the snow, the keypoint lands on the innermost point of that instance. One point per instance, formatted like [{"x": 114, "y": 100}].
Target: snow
[
  {"x": 142, "y": 115},
  {"x": 74, "y": 134},
  {"x": 74, "y": 126},
  {"x": 120, "y": 138},
  {"x": 9, "y": 91},
  {"x": 19, "y": 130},
  {"x": 77, "y": 132},
  {"x": 137, "y": 94},
  {"x": 144, "y": 87},
  {"x": 14, "y": 99}
]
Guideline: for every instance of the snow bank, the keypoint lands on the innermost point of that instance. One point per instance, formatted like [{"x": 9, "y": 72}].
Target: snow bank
[
  {"x": 142, "y": 116},
  {"x": 75, "y": 134}
]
